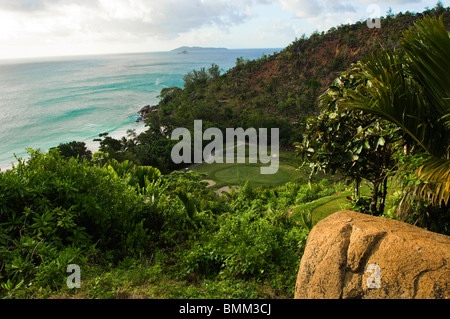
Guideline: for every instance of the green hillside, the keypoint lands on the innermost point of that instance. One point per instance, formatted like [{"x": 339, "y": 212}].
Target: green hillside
[
  {"x": 280, "y": 90},
  {"x": 276, "y": 91}
]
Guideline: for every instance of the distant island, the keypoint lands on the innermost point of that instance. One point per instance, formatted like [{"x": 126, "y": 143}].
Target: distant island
[{"x": 186, "y": 49}]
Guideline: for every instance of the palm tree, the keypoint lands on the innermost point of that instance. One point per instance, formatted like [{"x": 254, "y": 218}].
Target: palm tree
[{"x": 411, "y": 88}]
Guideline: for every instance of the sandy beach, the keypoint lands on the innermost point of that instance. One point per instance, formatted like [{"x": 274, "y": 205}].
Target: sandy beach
[
  {"x": 139, "y": 128},
  {"x": 94, "y": 146}
]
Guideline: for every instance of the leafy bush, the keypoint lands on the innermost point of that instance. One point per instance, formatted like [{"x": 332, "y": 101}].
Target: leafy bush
[
  {"x": 75, "y": 149},
  {"x": 308, "y": 193},
  {"x": 256, "y": 241},
  {"x": 52, "y": 210}
]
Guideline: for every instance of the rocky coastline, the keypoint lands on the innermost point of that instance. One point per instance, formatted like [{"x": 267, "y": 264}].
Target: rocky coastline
[{"x": 145, "y": 111}]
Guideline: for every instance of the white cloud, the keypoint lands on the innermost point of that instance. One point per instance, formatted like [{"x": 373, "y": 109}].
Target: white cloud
[
  {"x": 302, "y": 8},
  {"x": 163, "y": 18},
  {"x": 321, "y": 15},
  {"x": 54, "y": 22},
  {"x": 99, "y": 26},
  {"x": 395, "y": 2},
  {"x": 315, "y": 8}
]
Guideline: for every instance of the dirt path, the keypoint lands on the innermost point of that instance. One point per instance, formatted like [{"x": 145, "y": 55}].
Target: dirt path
[{"x": 210, "y": 182}]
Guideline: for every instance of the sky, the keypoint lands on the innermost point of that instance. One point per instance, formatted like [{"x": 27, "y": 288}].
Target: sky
[{"x": 38, "y": 28}]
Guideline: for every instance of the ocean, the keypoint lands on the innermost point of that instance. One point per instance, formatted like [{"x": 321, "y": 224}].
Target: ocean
[{"x": 48, "y": 101}]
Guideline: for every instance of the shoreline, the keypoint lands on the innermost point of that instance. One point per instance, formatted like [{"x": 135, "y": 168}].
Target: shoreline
[{"x": 94, "y": 146}]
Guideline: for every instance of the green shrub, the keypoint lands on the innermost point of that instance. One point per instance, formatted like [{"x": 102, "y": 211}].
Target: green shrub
[
  {"x": 254, "y": 242},
  {"x": 52, "y": 209},
  {"x": 309, "y": 193}
]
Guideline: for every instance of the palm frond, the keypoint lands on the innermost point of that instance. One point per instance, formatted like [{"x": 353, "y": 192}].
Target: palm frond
[
  {"x": 391, "y": 95},
  {"x": 411, "y": 90},
  {"x": 427, "y": 45},
  {"x": 434, "y": 176}
]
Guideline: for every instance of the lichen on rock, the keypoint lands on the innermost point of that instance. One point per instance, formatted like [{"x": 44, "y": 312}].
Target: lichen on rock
[{"x": 353, "y": 255}]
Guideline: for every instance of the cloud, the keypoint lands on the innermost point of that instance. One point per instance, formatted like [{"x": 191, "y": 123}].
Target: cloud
[
  {"x": 396, "y": 2},
  {"x": 173, "y": 17},
  {"x": 166, "y": 19},
  {"x": 339, "y": 7},
  {"x": 303, "y": 8},
  {"x": 40, "y": 5},
  {"x": 39, "y": 25},
  {"x": 314, "y": 8},
  {"x": 128, "y": 18},
  {"x": 121, "y": 25}
]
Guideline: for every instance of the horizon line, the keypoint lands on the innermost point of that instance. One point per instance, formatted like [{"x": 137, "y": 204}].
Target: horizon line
[{"x": 7, "y": 59}]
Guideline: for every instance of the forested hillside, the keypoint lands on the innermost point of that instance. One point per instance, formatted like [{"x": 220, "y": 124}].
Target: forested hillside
[
  {"x": 276, "y": 91},
  {"x": 280, "y": 90}
]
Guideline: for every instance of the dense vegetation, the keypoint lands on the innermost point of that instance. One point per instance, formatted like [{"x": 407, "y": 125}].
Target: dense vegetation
[
  {"x": 57, "y": 211},
  {"x": 387, "y": 110},
  {"x": 137, "y": 227}
]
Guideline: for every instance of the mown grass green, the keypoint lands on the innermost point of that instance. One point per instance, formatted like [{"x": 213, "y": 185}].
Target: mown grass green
[
  {"x": 325, "y": 206},
  {"x": 229, "y": 174}
]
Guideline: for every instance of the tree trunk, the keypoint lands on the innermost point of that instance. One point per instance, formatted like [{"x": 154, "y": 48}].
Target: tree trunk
[
  {"x": 374, "y": 201},
  {"x": 383, "y": 195},
  {"x": 356, "y": 191}
]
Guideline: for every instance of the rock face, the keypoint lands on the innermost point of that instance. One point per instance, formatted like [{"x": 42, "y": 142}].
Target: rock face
[
  {"x": 353, "y": 255},
  {"x": 144, "y": 112}
]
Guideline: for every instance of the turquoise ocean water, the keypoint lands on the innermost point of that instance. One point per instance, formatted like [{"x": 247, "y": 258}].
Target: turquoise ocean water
[{"x": 48, "y": 101}]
